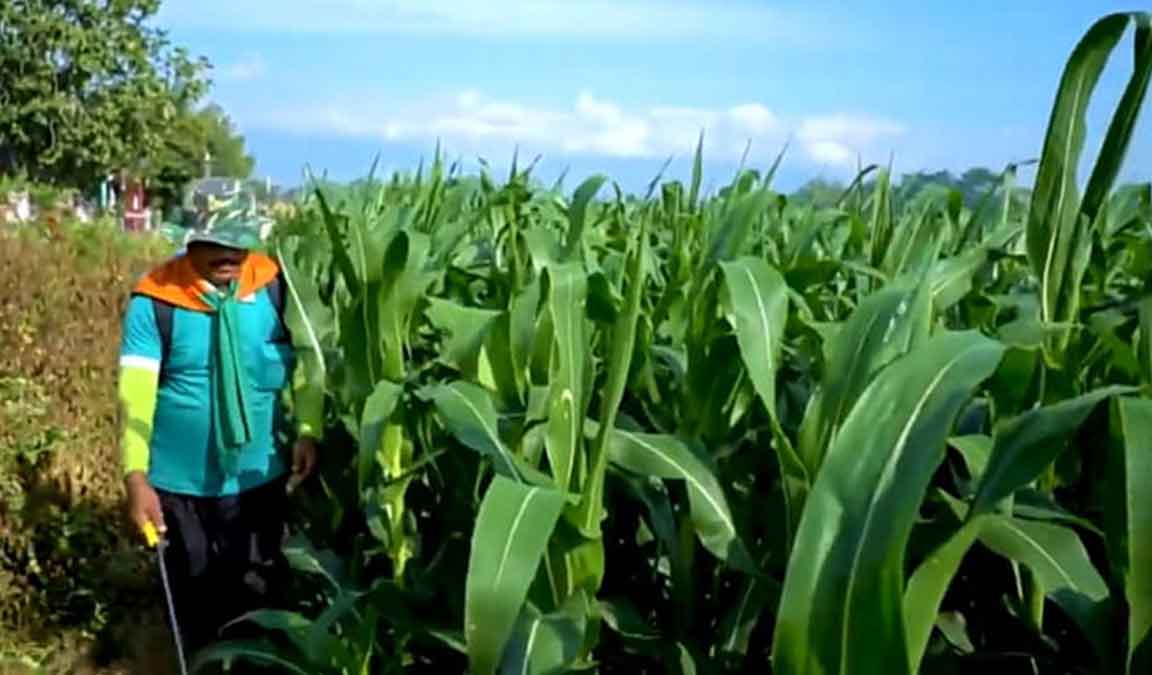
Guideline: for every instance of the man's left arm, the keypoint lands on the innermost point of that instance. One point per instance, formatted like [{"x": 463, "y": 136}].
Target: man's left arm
[
  {"x": 307, "y": 386},
  {"x": 308, "y": 396}
]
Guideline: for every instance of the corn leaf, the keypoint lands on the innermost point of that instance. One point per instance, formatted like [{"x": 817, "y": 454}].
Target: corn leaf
[
  {"x": 928, "y": 585},
  {"x": 1056, "y": 557},
  {"x": 522, "y": 328},
  {"x": 334, "y": 226},
  {"x": 1022, "y": 448},
  {"x": 512, "y": 529},
  {"x": 293, "y": 625},
  {"x": 1026, "y": 444},
  {"x": 568, "y": 289},
  {"x": 976, "y": 450},
  {"x": 880, "y": 221},
  {"x": 667, "y": 457},
  {"x": 886, "y": 325},
  {"x": 1058, "y": 220},
  {"x": 261, "y": 652},
  {"x": 465, "y": 329},
  {"x": 619, "y": 362},
  {"x": 310, "y": 322},
  {"x": 1123, "y": 123},
  {"x": 377, "y": 411},
  {"x": 734, "y": 229},
  {"x": 467, "y": 412},
  {"x": 951, "y": 278},
  {"x": 543, "y": 644},
  {"x": 735, "y": 632},
  {"x": 578, "y": 212},
  {"x": 302, "y": 556},
  {"x": 756, "y": 305},
  {"x": 840, "y": 610},
  {"x": 322, "y": 642},
  {"x": 402, "y": 287},
  {"x": 1128, "y": 513},
  {"x": 916, "y": 242}
]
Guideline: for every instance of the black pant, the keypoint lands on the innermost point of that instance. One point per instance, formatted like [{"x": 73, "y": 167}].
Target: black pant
[{"x": 223, "y": 558}]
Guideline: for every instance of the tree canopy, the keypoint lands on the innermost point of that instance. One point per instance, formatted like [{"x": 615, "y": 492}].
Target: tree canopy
[
  {"x": 88, "y": 87},
  {"x": 182, "y": 156}
]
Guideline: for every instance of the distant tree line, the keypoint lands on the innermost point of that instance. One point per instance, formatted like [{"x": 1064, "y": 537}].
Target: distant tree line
[{"x": 973, "y": 185}]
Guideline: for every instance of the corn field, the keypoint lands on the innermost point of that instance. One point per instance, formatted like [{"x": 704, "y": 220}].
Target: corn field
[{"x": 689, "y": 433}]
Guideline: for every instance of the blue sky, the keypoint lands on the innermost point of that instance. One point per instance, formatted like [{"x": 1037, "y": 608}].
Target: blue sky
[{"x": 619, "y": 86}]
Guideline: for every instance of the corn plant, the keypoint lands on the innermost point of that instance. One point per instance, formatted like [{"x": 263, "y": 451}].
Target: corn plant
[{"x": 691, "y": 433}]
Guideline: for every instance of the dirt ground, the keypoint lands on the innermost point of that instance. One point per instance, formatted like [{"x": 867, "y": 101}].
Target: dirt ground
[{"x": 147, "y": 648}]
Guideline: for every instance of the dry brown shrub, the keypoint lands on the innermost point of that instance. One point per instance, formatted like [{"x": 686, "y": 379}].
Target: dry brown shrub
[
  {"x": 67, "y": 561},
  {"x": 60, "y": 328}
]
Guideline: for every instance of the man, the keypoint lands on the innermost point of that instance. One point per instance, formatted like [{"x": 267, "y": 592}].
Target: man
[{"x": 204, "y": 360}]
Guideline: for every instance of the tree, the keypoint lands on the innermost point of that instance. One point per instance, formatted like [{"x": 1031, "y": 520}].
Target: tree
[
  {"x": 973, "y": 184},
  {"x": 86, "y": 87},
  {"x": 819, "y": 193},
  {"x": 977, "y": 182},
  {"x": 181, "y": 158}
]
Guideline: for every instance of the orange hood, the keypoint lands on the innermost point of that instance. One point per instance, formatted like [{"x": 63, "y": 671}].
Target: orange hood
[{"x": 178, "y": 283}]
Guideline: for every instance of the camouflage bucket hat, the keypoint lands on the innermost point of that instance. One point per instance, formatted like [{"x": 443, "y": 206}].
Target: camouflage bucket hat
[{"x": 233, "y": 222}]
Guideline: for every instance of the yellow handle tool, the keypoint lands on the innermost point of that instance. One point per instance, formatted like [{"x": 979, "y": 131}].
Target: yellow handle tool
[{"x": 150, "y": 535}]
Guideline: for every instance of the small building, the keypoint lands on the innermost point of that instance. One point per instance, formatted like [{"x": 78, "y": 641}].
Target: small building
[{"x": 137, "y": 214}]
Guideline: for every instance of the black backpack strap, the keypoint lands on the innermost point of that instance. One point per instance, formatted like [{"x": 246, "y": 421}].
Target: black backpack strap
[
  {"x": 276, "y": 294},
  {"x": 163, "y": 313}
]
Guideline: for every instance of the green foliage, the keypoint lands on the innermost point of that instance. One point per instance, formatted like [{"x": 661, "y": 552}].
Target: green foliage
[
  {"x": 181, "y": 156},
  {"x": 88, "y": 88}
]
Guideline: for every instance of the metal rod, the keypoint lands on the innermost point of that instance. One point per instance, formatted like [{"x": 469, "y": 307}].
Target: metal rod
[{"x": 171, "y": 608}]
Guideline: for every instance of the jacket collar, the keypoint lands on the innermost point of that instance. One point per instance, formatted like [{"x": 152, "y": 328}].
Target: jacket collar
[{"x": 177, "y": 282}]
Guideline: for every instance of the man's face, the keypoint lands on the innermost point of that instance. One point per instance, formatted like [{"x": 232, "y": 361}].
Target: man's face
[{"x": 218, "y": 264}]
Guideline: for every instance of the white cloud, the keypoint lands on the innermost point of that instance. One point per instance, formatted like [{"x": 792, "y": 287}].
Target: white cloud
[
  {"x": 841, "y": 138},
  {"x": 830, "y": 152},
  {"x": 843, "y": 126},
  {"x": 511, "y": 18},
  {"x": 245, "y": 70},
  {"x": 754, "y": 117},
  {"x": 471, "y": 122}
]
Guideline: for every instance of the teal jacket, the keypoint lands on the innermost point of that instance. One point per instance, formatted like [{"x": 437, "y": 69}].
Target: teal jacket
[{"x": 167, "y": 406}]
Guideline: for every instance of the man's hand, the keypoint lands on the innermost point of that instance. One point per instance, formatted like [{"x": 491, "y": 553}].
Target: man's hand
[
  {"x": 143, "y": 502},
  {"x": 303, "y": 461}
]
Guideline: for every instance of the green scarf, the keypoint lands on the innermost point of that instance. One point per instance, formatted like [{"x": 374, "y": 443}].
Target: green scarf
[{"x": 231, "y": 421}]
